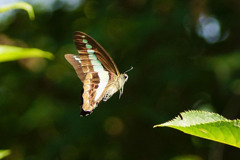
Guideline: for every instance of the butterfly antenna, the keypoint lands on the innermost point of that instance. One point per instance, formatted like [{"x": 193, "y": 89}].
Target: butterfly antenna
[{"x": 129, "y": 69}]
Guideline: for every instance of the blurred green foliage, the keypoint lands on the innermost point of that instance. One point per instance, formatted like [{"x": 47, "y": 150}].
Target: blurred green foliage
[
  {"x": 4, "y": 153},
  {"x": 19, "y": 5},
  {"x": 179, "y": 64},
  {"x": 10, "y": 53}
]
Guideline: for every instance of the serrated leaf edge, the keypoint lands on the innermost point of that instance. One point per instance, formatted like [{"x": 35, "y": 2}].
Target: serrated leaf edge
[{"x": 192, "y": 111}]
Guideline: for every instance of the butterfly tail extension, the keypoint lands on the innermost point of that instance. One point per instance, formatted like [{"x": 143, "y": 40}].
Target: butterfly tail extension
[{"x": 85, "y": 113}]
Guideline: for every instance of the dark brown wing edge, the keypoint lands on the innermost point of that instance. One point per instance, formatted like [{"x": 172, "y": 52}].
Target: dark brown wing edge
[
  {"x": 76, "y": 65},
  {"x": 99, "y": 51}
]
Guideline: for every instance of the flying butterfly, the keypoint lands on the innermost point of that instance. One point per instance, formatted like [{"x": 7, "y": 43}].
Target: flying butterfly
[{"x": 97, "y": 71}]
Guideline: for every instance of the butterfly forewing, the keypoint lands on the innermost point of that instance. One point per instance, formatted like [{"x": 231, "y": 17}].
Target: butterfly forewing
[{"x": 87, "y": 45}]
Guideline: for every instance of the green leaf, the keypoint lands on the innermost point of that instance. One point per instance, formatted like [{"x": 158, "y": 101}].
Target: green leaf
[
  {"x": 19, "y": 5},
  {"x": 11, "y": 53},
  {"x": 207, "y": 125},
  {"x": 4, "y": 153}
]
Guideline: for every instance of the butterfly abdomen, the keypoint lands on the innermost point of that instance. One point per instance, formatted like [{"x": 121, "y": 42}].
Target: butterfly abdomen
[{"x": 109, "y": 93}]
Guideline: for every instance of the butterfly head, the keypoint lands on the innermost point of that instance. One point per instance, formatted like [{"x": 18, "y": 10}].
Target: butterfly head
[
  {"x": 121, "y": 81},
  {"x": 125, "y": 77}
]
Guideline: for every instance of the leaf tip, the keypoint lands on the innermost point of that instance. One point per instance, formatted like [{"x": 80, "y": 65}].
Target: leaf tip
[{"x": 157, "y": 125}]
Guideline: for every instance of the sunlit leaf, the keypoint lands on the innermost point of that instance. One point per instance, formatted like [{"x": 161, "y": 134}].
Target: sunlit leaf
[
  {"x": 10, "y": 53},
  {"x": 19, "y": 5},
  {"x": 207, "y": 125},
  {"x": 4, "y": 153}
]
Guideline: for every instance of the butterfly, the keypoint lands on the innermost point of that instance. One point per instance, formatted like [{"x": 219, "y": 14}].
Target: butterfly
[{"x": 97, "y": 71}]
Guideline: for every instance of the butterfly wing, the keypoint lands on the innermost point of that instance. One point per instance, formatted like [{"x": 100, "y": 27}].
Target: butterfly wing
[
  {"x": 95, "y": 86},
  {"x": 81, "y": 70},
  {"x": 94, "y": 67},
  {"x": 85, "y": 43}
]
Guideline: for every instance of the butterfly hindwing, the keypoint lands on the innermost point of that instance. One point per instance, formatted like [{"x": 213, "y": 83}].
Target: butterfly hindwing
[{"x": 94, "y": 87}]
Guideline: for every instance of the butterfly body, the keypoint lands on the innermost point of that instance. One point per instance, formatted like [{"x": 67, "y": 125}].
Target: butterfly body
[
  {"x": 96, "y": 69},
  {"x": 114, "y": 86}
]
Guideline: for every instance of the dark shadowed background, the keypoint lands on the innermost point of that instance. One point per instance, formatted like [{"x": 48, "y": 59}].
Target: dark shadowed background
[{"x": 185, "y": 54}]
